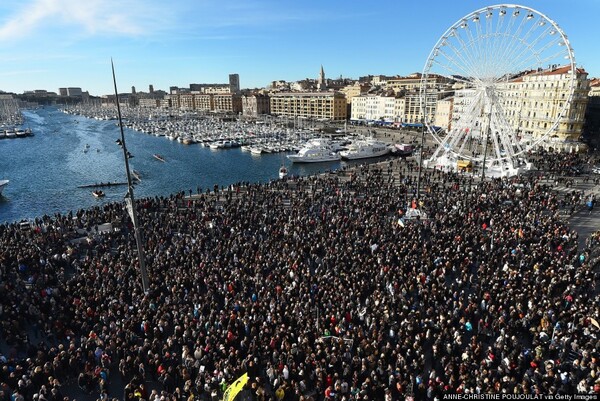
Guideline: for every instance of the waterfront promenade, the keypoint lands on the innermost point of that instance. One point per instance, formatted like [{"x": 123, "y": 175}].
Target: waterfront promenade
[{"x": 311, "y": 285}]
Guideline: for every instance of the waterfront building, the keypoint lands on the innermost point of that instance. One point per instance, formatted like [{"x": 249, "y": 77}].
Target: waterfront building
[
  {"x": 227, "y": 102},
  {"x": 367, "y": 108},
  {"x": 534, "y": 100},
  {"x": 148, "y": 102},
  {"x": 203, "y": 102},
  {"x": 255, "y": 105},
  {"x": 319, "y": 105},
  {"x": 165, "y": 102},
  {"x": 185, "y": 101}
]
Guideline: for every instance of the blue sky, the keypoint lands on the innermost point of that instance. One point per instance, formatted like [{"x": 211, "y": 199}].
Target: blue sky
[{"x": 47, "y": 44}]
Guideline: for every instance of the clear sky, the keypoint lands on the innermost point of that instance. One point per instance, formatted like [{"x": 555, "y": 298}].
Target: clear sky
[{"x": 47, "y": 44}]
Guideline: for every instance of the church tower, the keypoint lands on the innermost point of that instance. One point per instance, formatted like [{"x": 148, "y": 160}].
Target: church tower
[{"x": 321, "y": 84}]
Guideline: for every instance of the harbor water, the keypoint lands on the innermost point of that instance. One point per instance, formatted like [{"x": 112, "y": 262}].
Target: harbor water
[{"x": 68, "y": 151}]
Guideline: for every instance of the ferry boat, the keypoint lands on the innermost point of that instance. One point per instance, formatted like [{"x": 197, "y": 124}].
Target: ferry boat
[
  {"x": 315, "y": 151},
  {"x": 3, "y": 183},
  {"x": 364, "y": 149},
  {"x": 159, "y": 157}
]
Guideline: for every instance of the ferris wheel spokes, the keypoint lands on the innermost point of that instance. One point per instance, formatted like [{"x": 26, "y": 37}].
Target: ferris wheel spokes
[{"x": 490, "y": 57}]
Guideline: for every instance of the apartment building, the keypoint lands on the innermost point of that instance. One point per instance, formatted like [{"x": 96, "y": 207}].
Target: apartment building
[
  {"x": 148, "y": 102},
  {"x": 320, "y": 105},
  {"x": 203, "y": 102},
  {"x": 356, "y": 89},
  {"x": 255, "y": 105},
  {"x": 227, "y": 102},
  {"x": 443, "y": 113},
  {"x": 186, "y": 101},
  {"x": 535, "y": 100},
  {"x": 374, "y": 108}
]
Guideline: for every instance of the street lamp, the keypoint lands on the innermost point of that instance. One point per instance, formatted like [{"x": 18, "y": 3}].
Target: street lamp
[{"x": 129, "y": 199}]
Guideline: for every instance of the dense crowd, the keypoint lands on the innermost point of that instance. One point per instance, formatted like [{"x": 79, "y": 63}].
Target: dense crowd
[{"x": 319, "y": 288}]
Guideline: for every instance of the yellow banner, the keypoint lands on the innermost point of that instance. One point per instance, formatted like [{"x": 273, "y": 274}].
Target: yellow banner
[{"x": 235, "y": 387}]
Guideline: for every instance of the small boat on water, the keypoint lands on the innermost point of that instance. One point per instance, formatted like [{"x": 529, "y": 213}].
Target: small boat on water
[
  {"x": 3, "y": 183},
  {"x": 283, "y": 172},
  {"x": 98, "y": 193},
  {"x": 136, "y": 175},
  {"x": 159, "y": 157}
]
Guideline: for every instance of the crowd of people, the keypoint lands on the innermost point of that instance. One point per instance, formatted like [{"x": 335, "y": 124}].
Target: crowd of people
[{"x": 320, "y": 288}]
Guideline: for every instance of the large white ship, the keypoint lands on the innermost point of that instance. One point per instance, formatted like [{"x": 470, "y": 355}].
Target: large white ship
[
  {"x": 365, "y": 148},
  {"x": 315, "y": 151}
]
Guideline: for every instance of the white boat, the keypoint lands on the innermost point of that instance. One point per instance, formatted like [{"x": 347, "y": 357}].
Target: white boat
[
  {"x": 315, "y": 151},
  {"x": 3, "y": 183},
  {"x": 364, "y": 149},
  {"x": 256, "y": 150}
]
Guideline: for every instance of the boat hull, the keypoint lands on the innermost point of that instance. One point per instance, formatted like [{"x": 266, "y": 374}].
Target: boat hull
[
  {"x": 319, "y": 159},
  {"x": 357, "y": 156}
]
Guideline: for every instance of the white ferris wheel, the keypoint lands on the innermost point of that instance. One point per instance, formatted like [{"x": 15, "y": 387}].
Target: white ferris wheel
[{"x": 482, "y": 59}]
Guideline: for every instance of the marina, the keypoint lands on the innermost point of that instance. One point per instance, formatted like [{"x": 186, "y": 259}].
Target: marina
[{"x": 85, "y": 152}]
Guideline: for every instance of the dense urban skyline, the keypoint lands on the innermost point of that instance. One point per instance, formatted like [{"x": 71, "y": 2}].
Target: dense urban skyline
[{"x": 47, "y": 44}]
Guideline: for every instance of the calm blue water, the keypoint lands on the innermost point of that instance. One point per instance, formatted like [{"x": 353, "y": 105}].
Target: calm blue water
[{"x": 45, "y": 170}]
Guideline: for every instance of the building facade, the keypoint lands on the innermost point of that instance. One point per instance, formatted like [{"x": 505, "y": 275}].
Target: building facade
[
  {"x": 443, "y": 113},
  {"x": 227, "y": 102},
  {"x": 319, "y": 105},
  {"x": 534, "y": 101},
  {"x": 203, "y": 102},
  {"x": 255, "y": 105},
  {"x": 356, "y": 89},
  {"x": 148, "y": 102},
  {"x": 374, "y": 108}
]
